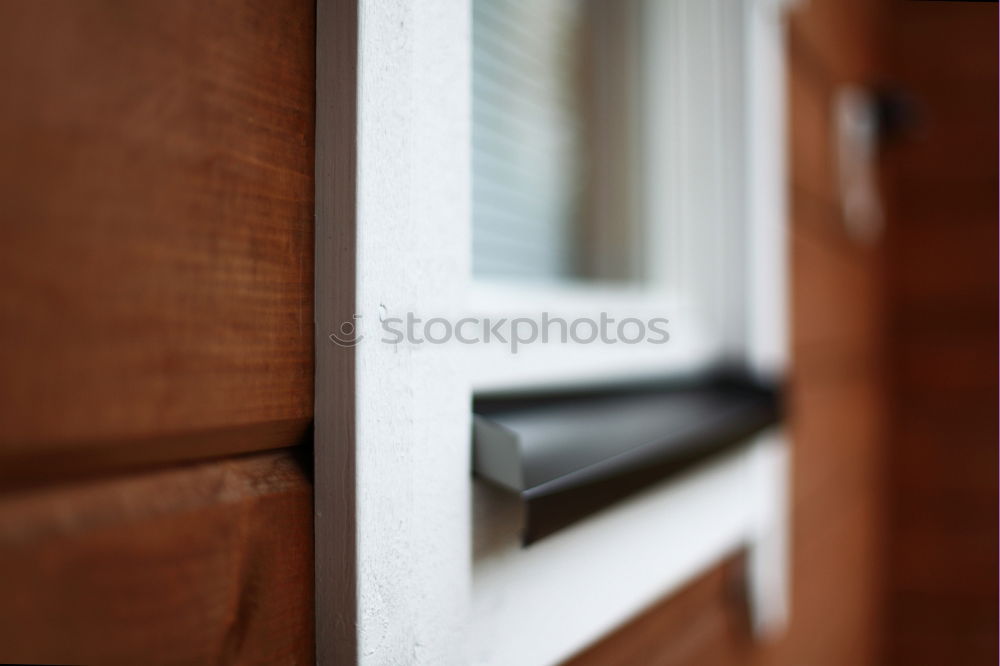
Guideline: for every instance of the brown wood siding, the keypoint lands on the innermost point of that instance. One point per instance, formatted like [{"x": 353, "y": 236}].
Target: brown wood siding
[
  {"x": 156, "y": 245},
  {"x": 702, "y": 624},
  {"x": 942, "y": 269},
  {"x": 156, "y": 313},
  {"x": 208, "y": 563}
]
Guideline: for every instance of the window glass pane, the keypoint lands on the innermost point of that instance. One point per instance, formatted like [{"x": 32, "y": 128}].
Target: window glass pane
[{"x": 529, "y": 144}]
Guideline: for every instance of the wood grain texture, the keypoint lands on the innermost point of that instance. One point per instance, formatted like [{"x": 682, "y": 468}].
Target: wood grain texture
[
  {"x": 156, "y": 241},
  {"x": 207, "y": 563}
]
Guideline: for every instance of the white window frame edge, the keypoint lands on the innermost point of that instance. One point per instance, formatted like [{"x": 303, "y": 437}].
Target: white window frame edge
[{"x": 393, "y": 490}]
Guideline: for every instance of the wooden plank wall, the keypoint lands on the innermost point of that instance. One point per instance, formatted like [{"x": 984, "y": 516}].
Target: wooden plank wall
[
  {"x": 837, "y": 417},
  {"x": 156, "y": 331},
  {"x": 942, "y": 270}
]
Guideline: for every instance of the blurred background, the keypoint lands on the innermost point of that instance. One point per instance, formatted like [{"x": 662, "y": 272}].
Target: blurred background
[{"x": 156, "y": 320}]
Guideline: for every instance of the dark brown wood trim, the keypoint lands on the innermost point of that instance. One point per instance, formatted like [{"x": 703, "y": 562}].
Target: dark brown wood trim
[{"x": 335, "y": 286}]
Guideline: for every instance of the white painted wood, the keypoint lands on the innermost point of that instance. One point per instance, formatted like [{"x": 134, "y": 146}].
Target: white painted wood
[
  {"x": 397, "y": 582},
  {"x": 767, "y": 190},
  {"x": 768, "y": 575},
  {"x": 542, "y": 604},
  {"x": 766, "y": 343},
  {"x": 404, "y": 466},
  {"x": 413, "y": 418}
]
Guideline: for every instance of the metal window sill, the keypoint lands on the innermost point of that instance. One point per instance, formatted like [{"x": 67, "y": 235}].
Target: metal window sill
[{"x": 571, "y": 455}]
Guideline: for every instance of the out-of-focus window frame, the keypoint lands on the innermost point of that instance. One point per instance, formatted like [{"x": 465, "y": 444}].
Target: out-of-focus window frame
[
  {"x": 392, "y": 484},
  {"x": 705, "y": 236}
]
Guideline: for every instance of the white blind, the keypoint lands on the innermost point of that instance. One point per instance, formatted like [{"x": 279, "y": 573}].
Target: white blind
[{"x": 527, "y": 137}]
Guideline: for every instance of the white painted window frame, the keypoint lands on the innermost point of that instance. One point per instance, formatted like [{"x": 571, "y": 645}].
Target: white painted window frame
[{"x": 396, "y": 578}]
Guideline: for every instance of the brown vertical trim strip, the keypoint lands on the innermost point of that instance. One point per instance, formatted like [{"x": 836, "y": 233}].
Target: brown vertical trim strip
[{"x": 336, "y": 180}]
